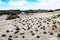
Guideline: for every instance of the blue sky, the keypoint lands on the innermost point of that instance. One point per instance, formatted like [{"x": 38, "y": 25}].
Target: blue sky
[
  {"x": 29, "y": 4},
  {"x": 32, "y": 0},
  {"x": 5, "y": 0},
  {"x": 26, "y": 0}
]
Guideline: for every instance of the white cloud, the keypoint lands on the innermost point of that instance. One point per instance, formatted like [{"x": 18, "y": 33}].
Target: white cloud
[
  {"x": 17, "y": 2},
  {"x": 40, "y": 4},
  {"x": 2, "y": 2},
  {"x": 48, "y": 4},
  {"x": 42, "y": 0}
]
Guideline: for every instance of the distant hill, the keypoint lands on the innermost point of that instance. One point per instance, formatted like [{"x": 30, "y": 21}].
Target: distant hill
[
  {"x": 15, "y": 12},
  {"x": 57, "y": 10}
]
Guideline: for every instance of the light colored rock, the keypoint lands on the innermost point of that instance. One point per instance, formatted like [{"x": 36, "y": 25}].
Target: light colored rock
[{"x": 40, "y": 23}]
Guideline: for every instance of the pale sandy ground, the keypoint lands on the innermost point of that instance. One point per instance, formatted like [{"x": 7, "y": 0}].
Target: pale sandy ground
[{"x": 36, "y": 26}]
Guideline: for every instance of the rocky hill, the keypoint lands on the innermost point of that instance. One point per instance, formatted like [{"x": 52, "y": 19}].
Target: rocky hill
[{"x": 34, "y": 26}]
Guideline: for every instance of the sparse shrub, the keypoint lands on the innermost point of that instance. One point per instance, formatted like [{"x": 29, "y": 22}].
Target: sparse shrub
[
  {"x": 50, "y": 11},
  {"x": 58, "y": 15},
  {"x": 26, "y": 11},
  {"x": 10, "y": 16}
]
